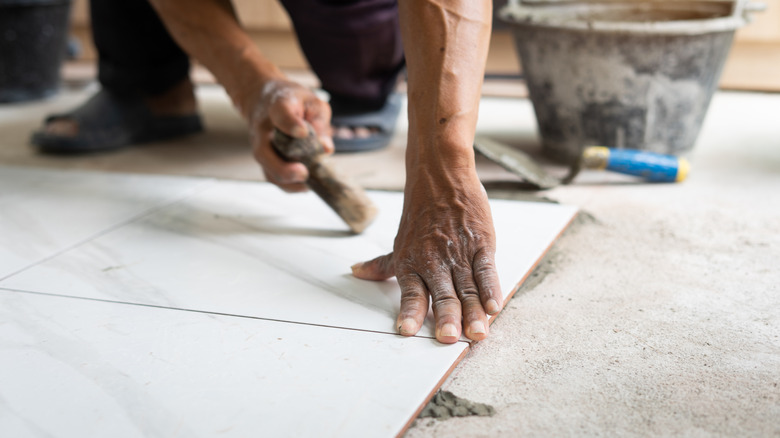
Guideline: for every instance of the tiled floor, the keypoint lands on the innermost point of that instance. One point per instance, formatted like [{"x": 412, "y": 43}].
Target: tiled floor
[
  {"x": 141, "y": 305},
  {"x": 47, "y": 212}
]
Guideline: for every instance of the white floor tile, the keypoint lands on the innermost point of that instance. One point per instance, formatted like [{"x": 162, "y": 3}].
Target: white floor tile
[
  {"x": 249, "y": 249},
  {"x": 43, "y": 212},
  {"x": 83, "y": 368}
]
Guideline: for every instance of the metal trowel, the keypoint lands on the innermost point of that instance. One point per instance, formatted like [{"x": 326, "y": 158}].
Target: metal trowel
[{"x": 650, "y": 166}]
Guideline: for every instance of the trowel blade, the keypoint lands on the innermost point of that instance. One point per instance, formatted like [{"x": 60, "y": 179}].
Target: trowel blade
[{"x": 517, "y": 162}]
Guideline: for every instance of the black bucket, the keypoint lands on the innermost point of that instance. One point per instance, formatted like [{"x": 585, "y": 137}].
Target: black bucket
[
  {"x": 623, "y": 74},
  {"x": 33, "y": 42}
]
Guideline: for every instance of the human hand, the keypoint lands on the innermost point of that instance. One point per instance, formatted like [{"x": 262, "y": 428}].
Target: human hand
[
  {"x": 444, "y": 251},
  {"x": 287, "y": 106}
]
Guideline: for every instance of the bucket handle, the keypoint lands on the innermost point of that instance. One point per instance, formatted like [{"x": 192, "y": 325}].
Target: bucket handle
[
  {"x": 755, "y": 7},
  {"x": 748, "y": 8}
]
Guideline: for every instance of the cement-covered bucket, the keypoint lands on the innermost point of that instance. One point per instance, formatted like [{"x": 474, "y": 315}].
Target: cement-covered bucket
[
  {"x": 33, "y": 39},
  {"x": 623, "y": 74}
]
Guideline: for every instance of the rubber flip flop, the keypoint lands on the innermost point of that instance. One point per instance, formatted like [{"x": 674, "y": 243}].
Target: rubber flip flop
[
  {"x": 107, "y": 122},
  {"x": 384, "y": 120}
]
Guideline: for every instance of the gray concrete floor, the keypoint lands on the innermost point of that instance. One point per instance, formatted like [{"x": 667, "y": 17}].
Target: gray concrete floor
[{"x": 656, "y": 313}]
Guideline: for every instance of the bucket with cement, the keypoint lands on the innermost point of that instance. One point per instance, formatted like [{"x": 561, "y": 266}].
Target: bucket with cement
[{"x": 623, "y": 74}]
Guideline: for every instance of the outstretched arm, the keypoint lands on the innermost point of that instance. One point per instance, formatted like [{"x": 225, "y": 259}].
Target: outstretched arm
[
  {"x": 209, "y": 31},
  {"x": 444, "y": 250}
]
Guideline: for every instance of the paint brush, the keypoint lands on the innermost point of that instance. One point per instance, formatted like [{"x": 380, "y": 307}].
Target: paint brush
[{"x": 347, "y": 199}]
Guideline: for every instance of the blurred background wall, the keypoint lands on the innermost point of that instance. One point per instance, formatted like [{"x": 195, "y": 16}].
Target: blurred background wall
[{"x": 754, "y": 61}]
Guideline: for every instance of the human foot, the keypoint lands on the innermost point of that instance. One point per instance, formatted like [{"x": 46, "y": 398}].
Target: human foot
[
  {"x": 355, "y": 131},
  {"x": 351, "y": 132},
  {"x": 107, "y": 121}
]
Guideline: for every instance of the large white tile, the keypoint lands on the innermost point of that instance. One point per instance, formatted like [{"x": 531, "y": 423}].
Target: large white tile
[
  {"x": 249, "y": 249},
  {"x": 43, "y": 211},
  {"x": 80, "y": 368}
]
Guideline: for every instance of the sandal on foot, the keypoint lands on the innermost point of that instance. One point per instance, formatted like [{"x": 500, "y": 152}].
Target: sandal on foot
[
  {"x": 383, "y": 120},
  {"x": 107, "y": 121}
]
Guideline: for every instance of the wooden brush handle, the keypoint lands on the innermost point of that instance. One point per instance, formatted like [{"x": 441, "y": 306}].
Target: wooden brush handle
[{"x": 348, "y": 200}]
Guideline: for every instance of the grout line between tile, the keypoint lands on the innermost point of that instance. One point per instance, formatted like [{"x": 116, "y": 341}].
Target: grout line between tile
[
  {"x": 145, "y": 213},
  {"x": 206, "y": 312}
]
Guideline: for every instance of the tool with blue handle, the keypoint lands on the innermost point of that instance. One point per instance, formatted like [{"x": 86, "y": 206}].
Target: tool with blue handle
[{"x": 651, "y": 166}]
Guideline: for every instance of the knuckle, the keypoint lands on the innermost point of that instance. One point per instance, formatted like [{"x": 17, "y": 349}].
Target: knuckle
[
  {"x": 283, "y": 115},
  {"x": 484, "y": 271},
  {"x": 465, "y": 286},
  {"x": 463, "y": 275},
  {"x": 445, "y": 303},
  {"x": 407, "y": 278},
  {"x": 413, "y": 304},
  {"x": 406, "y": 267},
  {"x": 468, "y": 293},
  {"x": 485, "y": 253},
  {"x": 431, "y": 265},
  {"x": 441, "y": 291},
  {"x": 413, "y": 294},
  {"x": 484, "y": 263}
]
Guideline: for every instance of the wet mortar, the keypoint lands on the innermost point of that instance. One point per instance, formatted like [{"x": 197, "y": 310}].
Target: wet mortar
[{"x": 445, "y": 405}]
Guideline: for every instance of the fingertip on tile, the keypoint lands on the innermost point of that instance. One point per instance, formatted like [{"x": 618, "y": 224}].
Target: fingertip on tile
[
  {"x": 492, "y": 307},
  {"x": 408, "y": 327},
  {"x": 356, "y": 268}
]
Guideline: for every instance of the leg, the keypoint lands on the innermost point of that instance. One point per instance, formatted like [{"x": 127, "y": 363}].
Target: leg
[
  {"x": 136, "y": 53},
  {"x": 354, "y": 47},
  {"x": 146, "y": 91}
]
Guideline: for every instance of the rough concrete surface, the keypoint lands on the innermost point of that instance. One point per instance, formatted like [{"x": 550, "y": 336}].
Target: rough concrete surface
[{"x": 657, "y": 313}]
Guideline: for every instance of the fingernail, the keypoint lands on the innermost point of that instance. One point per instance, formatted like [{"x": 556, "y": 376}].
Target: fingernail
[
  {"x": 327, "y": 143},
  {"x": 408, "y": 327},
  {"x": 449, "y": 331},
  {"x": 300, "y": 131},
  {"x": 357, "y": 266},
  {"x": 477, "y": 328},
  {"x": 491, "y": 306}
]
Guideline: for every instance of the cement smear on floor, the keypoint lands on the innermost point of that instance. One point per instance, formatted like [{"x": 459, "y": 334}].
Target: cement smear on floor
[{"x": 445, "y": 405}]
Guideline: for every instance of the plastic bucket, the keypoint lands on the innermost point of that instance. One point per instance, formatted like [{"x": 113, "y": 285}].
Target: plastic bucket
[
  {"x": 622, "y": 74},
  {"x": 33, "y": 40}
]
